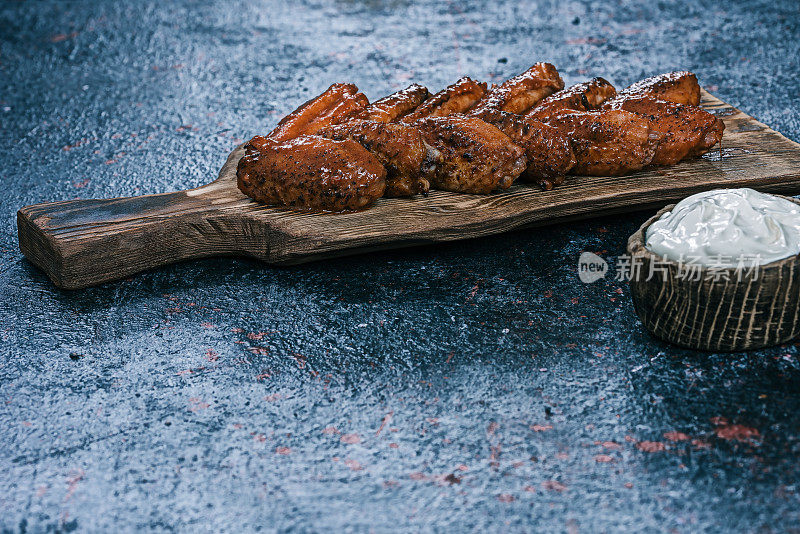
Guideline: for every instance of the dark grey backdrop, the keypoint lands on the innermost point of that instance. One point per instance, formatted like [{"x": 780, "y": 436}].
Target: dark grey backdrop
[{"x": 470, "y": 386}]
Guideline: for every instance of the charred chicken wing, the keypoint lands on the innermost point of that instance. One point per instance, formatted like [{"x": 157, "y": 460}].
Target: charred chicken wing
[
  {"x": 455, "y": 98},
  {"x": 584, "y": 96},
  {"x": 399, "y": 148},
  {"x": 684, "y": 130},
  {"x": 395, "y": 106},
  {"x": 311, "y": 173},
  {"x": 477, "y": 157},
  {"x": 337, "y": 103},
  {"x": 679, "y": 87},
  {"x": 607, "y": 143},
  {"x": 548, "y": 150},
  {"x": 522, "y": 92}
]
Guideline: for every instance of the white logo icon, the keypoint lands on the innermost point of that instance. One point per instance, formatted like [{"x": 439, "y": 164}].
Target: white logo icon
[{"x": 591, "y": 267}]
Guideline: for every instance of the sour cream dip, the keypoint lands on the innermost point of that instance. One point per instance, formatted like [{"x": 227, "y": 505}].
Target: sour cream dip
[{"x": 727, "y": 228}]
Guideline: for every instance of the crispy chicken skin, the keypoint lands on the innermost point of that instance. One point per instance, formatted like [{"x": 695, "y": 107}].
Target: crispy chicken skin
[
  {"x": 580, "y": 97},
  {"x": 607, "y": 143},
  {"x": 337, "y": 103},
  {"x": 680, "y": 87},
  {"x": 396, "y": 105},
  {"x": 399, "y": 148},
  {"x": 311, "y": 173},
  {"x": 548, "y": 150},
  {"x": 455, "y": 98},
  {"x": 522, "y": 92},
  {"x": 685, "y": 130},
  {"x": 477, "y": 157}
]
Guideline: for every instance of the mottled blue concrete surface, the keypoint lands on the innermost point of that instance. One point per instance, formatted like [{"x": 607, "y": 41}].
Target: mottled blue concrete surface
[{"x": 473, "y": 386}]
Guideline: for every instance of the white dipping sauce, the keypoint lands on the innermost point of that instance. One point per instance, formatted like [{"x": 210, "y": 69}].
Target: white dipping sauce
[{"x": 727, "y": 228}]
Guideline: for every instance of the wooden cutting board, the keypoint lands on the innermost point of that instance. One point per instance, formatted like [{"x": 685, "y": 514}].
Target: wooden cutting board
[{"x": 80, "y": 243}]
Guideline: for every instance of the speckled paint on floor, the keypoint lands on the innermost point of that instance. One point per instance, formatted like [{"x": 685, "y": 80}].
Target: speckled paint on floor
[{"x": 470, "y": 386}]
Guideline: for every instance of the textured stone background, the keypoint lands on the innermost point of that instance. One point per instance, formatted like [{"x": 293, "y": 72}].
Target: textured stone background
[{"x": 470, "y": 386}]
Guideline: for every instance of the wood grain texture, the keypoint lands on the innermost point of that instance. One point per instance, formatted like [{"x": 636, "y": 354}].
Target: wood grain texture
[
  {"x": 716, "y": 309},
  {"x": 81, "y": 243}
]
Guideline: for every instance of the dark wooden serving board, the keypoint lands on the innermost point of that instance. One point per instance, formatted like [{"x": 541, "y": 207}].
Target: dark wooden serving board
[{"x": 80, "y": 243}]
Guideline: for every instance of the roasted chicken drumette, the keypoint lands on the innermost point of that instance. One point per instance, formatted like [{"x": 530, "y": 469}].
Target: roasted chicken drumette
[
  {"x": 311, "y": 173},
  {"x": 522, "y": 92},
  {"x": 680, "y": 87},
  {"x": 476, "y": 156},
  {"x": 664, "y": 102},
  {"x": 399, "y": 147},
  {"x": 607, "y": 143},
  {"x": 395, "y": 106},
  {"x": 455, "y": 98},
  {"x": 683, "y": 130},
  {"x": 337, "y": 103},
  {"x": 670, "y": 102},
  {"x": 472, "y": 156},
  {"x": 548, "y": 151},
  {"x": 584, "y": 96}
]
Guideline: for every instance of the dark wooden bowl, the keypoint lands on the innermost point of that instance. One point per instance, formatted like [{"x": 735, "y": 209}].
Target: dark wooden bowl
[{"x": 716, "y": 309}]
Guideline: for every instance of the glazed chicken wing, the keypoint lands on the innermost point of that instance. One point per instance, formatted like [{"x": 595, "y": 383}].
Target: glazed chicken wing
[
  {"x": 395, "y": 106},
  {"x": 337, "y": 103},
  {"x": 311, "y": 173},
  {"x": 477, "y": 157},
  {"x": 337, "y": 152},
  {"x": 580, "y": 97},
  {"x": 684, "y": 130},
  {"x": 455, "y": 98},
  {"x": 607, "y": 143},
  {"x": 679, "y": 87},
  {"x": 399, "y": 148},
  {"x": 548, "y": 151},
  {"x": 522, "y": 92}
]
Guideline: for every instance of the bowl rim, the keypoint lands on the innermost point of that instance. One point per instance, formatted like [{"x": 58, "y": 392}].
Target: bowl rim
[{"x": 636, "y": 244}]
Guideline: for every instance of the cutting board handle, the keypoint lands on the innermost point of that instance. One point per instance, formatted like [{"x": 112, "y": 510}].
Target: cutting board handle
[{"x": 80, "y": 243}]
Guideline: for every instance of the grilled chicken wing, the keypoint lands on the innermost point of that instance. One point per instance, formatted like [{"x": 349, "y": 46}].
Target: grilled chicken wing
[
  {"x": 338, "y": 102},
  {"x": 477, "y": 157},
  {"x": 607, "y": 143},
  {"x": 395, "y": 106},
  {"x": 399, "y": 148},
  {"x": 311, "y": 173},
  {"x": 455, "y": 98},
  {"x": 522, "y": 92},
  {"x": 684, "y": 130},
  {"x": 548, "y": 151},
  {"x": 580, "y": 97},
  {"x": 679, "y": 87}
]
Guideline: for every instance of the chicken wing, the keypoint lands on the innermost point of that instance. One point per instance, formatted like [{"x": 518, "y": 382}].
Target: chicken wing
[
  {"x": 607, "y": 143},
  {"x": 395, "y": 106},
  {"x": 477, "y": 157},
  {"x": 399, "y": 148},
  {"x": 311, "y": 173},
  {"x": 548, "y": 151},
  {"x": 338, "y": 102},
  {"x": 455, "y": 98},
  {"x": 679, "y": 87},
  {"x": 522, "y": 92},
  {"x": 580, "y": 97},
  {"x": 684, "y": 130}
]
